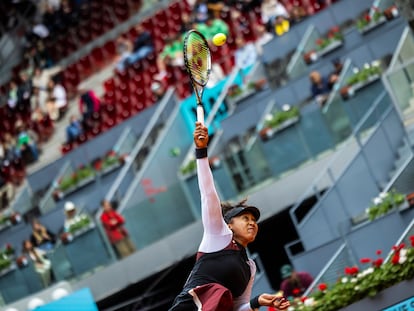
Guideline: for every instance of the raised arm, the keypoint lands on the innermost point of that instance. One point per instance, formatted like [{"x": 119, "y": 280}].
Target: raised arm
[{"x": 216, "y": 235}]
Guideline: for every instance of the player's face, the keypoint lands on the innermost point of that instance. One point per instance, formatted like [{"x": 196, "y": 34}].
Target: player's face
[{"x": 244, "y": 228}]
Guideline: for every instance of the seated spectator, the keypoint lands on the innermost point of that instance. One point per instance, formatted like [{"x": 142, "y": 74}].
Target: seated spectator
[
  {"x": 211, "y": 27},
  {"x": 158, "y": 89},
  {"x": 88, "y": 104},
  {"x": 171, "y": 55},
  {"x": 73, "y": 130},
  {"x": 131, "y": 52},
  {"x": 26, "y": 143},
  {"x": 294, "y": 283},
  {"x": 245, "y": 54},
  {"x": 12, "y": 95},
  {"x": 273, "y": 11},
  {"x": 57, "y": 101},
  {"x": 10, "y": 148},
  {"x": 70, "y": 215},
  {"x": 281, "y": 25},
  {"x": 41, "y": 263},
  {"x": 6, "y": 193},
  {"x": 200, "y": 11},
  {"x": 42, "y": 237},
  {"x": 297, "y": 14},
  {"x": 319, "y": 87},
  {"x": 263, "y": 37}
]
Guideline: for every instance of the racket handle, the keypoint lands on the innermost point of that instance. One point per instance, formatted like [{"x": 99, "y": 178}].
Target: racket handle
[{"x": 200, "y": 114}]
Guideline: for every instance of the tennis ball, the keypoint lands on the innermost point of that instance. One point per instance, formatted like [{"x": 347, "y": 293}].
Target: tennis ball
[{"x": 219, "y": 39}]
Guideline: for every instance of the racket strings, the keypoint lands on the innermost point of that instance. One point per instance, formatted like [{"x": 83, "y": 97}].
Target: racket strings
[{"x": 198, "y": 59}]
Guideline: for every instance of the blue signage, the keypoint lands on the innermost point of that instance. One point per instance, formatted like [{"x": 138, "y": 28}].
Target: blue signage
[
  {"x": 407, "y": 305},
  {"x": 81, "y": 300}
]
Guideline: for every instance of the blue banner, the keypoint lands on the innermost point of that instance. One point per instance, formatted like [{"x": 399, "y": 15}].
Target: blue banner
[
  {"x": 81, "y": 300},
  {"x": 407, "y": 305}
]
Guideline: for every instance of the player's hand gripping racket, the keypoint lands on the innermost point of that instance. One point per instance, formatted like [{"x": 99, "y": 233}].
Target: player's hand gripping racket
[{"x": 197, "y": 60}]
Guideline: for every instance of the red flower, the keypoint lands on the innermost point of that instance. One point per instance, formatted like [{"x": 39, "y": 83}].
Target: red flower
[
  {"x": 365, "y": 260},
  {"x": 355, "y": 270},
  {"x": 412, "y": 240},
  {"x": 395, "y": 259},
  {"x": 367, "y": 18},
  {"x": 319, "y": 41},
  {"x": 378, "y": 262},
  {"x": 397, "y": 248},
  {"x": 348, "y": 271},
  {"x": 322, "y": 287},
  {"x": 378, "y": 252},
  {"x": 296, "y": 291},
  {"x": 303, "y": 298},
  {"x": 335, "y": 29}
]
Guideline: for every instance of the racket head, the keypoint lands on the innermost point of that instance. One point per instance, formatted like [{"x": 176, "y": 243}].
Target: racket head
[{"x": 197, "y": 57}]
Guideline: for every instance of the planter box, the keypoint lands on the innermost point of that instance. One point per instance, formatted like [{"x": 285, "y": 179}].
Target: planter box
[
  {"x": 9, "y": 269},
  {"x": 363, "y": 217},
  {"x": 385, "y": 299},
  {"x": 373, "y": 25},
  {"x": 246, "y": 93},
  {"x": 84, "y": 182},
  {"x": 270, "y": 132},
  {"x": 349, "y": 91},
  {"x": 312, "y": 56}
]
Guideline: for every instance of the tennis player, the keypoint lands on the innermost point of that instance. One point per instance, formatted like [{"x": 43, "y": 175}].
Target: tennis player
[{"x": 223, "y": 275}]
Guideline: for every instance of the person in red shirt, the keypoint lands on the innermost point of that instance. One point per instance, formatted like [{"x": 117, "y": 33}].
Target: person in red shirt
[
  {"x": 294, "y": 283},
  {"x": 113, "y": 223}
]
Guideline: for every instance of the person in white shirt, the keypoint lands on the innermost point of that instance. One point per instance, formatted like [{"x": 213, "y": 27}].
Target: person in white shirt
[
  {"x": 245, "y": 55},
  {"x": 57, "y": 99}
]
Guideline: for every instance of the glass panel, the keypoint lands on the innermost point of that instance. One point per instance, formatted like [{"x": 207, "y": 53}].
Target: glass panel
[
  {"x": 158, "y": 216},
  {"x": 297, "y": 65},
  {"x": 48, "y": 202},
  {"x": 126, "y": 142},
  {"x": 401, "y": 85}
]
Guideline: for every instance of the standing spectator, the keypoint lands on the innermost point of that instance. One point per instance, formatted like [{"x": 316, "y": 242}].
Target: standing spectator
[
  {"x": 113, "y": 223},
  {"x": 42, "y": 237},
  {"x": 42, "y": 265},
  {"x": 294, "y": 283},
  {"x": 73, "y": 130},
  {"x": 70, "y": 215},
  {"x": 271, "y": 10},
  {"x": 6, "y": 192}
]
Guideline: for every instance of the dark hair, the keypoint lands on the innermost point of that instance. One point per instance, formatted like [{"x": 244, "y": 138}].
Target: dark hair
[{"x": 228, "y": 206}]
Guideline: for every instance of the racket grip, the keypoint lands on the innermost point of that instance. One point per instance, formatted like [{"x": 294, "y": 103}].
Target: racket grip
[{"x": 200, "y": 114}]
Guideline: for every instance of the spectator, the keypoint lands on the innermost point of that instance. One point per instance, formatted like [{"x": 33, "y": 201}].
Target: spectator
[
  {"x": 88, "y": 104},
  {"x": 73, "y": 130},
  {"x": 245, "y": 54},
  {"x": 42, "y": 265},
  {"x": 70, "y": 215},
  {"x": 57, "y": 101},
  {"x": 319, "y": 87},
  {"x": 263, "y": 37},
  {"x": 297, "y": 14},
  {"x": 113, "y": 223},
  {"x": 12, "y": 96},
  {"x": 211, "y": 27},
  {"x": 26, "y": 143},
  {"x": 42, "y": 237},
  {"x": 171, "y": 55},
  {"x": 272, "y": 11},
  {"x": 281, "y": 25},
  {"x": 294, "y": 283},
  {"x": 6, "y": 193}
]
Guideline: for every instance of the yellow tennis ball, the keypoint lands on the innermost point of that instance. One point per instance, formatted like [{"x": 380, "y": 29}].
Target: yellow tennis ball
[{"x": 219, "y": 39}]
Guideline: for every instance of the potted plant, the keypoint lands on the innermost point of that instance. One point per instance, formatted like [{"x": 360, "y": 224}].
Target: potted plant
[
  {"x": 332, "y": 40},
  {"x": 361, "y": 78},
  {"x": 391, "y": 12},
  {"x": 279, "y": 120},
  {"x": 384, "y": 203},
  {"x": 189, "y": 167},
  {"x": 357, "y": 284},
  {"x": 5, "y": 263},
  {"x": 369, "y": 21}
]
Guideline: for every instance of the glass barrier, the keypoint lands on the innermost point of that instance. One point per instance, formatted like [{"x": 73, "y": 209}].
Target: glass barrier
[
  {"x": 23, "y": 201},
  {"x": 48, "y": 201},
  {"x": 360, "y": 152},
  {"x": 126, "y": 142},
  {"x": 157, "y": 216},
  {"x": 399, "y": 82},
  {"x": 297, "y": 66}
]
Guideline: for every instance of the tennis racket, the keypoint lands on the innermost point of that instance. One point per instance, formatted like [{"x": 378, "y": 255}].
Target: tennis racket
[{"x": 197, "y": 60}]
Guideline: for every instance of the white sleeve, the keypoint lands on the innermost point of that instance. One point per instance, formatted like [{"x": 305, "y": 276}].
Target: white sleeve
[
  {"x": 217, "y": 234},
  {"x": 242, "y": 303}
]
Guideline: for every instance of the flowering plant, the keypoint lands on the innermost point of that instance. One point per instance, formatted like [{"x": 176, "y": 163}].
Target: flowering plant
[
  {"x": 368, "y": 19},
  {"x": 334, "y": 34},
  {"x": 384, "y": 203},
  {"x": 357, "y": 284}
]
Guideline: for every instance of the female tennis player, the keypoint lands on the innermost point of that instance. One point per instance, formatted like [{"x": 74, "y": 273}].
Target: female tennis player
[{"x": 223, "y": 275}]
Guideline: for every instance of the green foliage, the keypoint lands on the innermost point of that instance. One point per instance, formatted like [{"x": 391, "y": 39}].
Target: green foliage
[
  {"x": 84, "y": 221},
  {"x": 357, "y": 285},
  {"x": 4, "y": 262},
  {"x": 189, "y": 167},
  {"x": 384, "y": 203},
  {"x": 366, "y": 19},
  {"x": 69, "y": 181},
  {"x": 334, "y": 34},
  {"x": 363, "y": 74},
  {"x": 281, "y": 116}
]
